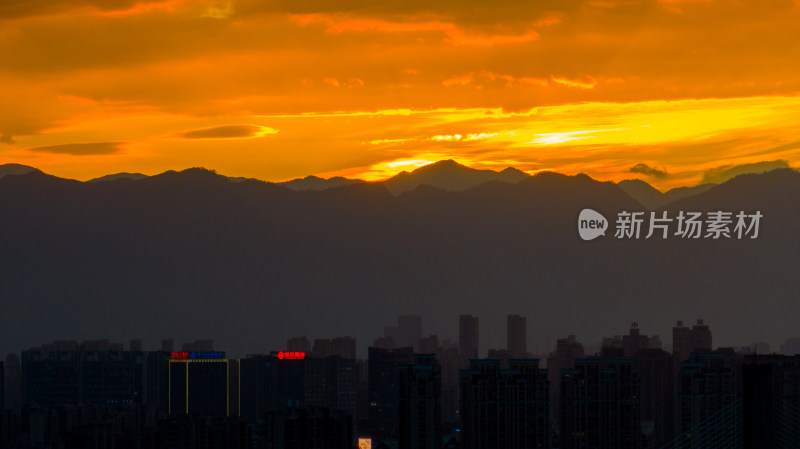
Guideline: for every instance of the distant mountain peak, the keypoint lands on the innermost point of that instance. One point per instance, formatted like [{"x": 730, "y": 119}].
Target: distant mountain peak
[
  {"x": 445, "y": 163},
  {"x": 16, "y": 169},
  {"x": 312, "y": 182},
  {"x": 450, "y": 175},
  {"x": 123, "y": 175},
  {"x": 652, "y": 198}
]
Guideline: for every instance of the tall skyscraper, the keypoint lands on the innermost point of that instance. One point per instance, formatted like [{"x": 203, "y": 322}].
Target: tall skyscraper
[
  {"x": 13, "y": 387},
  {"x": 657, "y": 379},
  {"x": 269, "y": 384},
  {"x": 567, "y": 351},
  {"x": 770, "y": 401},
  {"x": 635, "y": 341},
  {"x": 468, "y": 337},
  {"x": 409, "y": 330},
  {"x": 708, "y": 384},
  {"x": 701, "y": 337},
  {"x": 517, "y": 341},
  {"x": 383, "y": 389},
  {"x": 199, "y": 383},
  {"x": 298, "y": 344},
  {"x": 686, "y": 340},
  {"x": 451, "y": 364},
  {"x": 419, "y": 403},
  {"x": 428, "y": 345},
  {"x": 600, "y": 403},
  {"x": 504, "y": 408},
  {"x": 93, "y": 373},
  {"x": 322, "y": 348},
  {"x": 344, "y": 347}
]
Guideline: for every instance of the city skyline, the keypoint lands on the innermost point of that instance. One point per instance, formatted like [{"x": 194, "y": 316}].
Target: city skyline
[{"x": 631, "y": 392}]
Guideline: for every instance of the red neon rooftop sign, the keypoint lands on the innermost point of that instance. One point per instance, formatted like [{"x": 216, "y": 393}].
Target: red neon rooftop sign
[{"x": 294, "y": 355}]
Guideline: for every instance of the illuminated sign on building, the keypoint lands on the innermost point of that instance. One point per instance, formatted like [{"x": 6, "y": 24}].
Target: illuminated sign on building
[
  {"x": 184, "y": 355},
  {"x": 294, "y": 355},
  {"x": 365, "y": 443}
]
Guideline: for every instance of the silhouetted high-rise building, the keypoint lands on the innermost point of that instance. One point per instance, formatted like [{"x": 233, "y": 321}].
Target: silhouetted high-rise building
[
  {"x": 269, "y": 384},
  {"x": 758, "y": 400},
  {"x": 199, "y": 384},
  {"x": 685, "y": 340},
  {"x": 322, "y": 348},
  {"x": 566, "y": 351},
  {"x": 2, "y": 390},
  {"x": 451, "y": 364},
  {"x": 409, "y": 330},
  {"x": 419, "y": 403},
  {"x": 428, "y": 345},
  {"x": 388, "y": 343},
  {"x": 12, "y": 387},
  {"x": 708, "y": 384},
  {"x": 791, "y": 346},
  {"x": 502, "y": 355},
  {"x": 308, "y": 427},
  {"x": 504, "y": 408},
  {"x": 383, "y": 389},
  {"x": 635, "y": 341},
  {"x": 517, "y": 336},
  {"x": 167, "y": 345},
  {"x": 658, "y": 396},
  {"x": 156, "y": 369},
  {"x": 681, "y": 341},
  {"x": 701, "y": 337},
  {"x": 330, "y": 383},
  {"x": 94, "y": 373},
  {"x": 600, "y": 404},
  {"x": 344, "y": 347},
  {"x": 468, "y": 337},
  {"x": 770, "y": 401},
  {"x": 298, "y": 344}
]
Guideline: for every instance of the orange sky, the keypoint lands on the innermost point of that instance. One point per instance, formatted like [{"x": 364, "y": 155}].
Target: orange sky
[{"x": 682, "y": 90}]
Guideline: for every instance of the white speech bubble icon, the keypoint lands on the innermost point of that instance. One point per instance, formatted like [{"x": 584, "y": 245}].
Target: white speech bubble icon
[{"x": 591, "y": 224}]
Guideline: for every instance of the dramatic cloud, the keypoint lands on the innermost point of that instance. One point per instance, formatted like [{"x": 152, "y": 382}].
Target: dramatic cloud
[
  {"x": 4, "y": 138},
  {"x": 12, "y": 9},
  {"x": 229, "y": 132},
  {"x": 592, "y": 86},
  {"x": 647, "y": 170},
  {"x": 723, "y": 173},
  {"x": 80, "y": 149}
]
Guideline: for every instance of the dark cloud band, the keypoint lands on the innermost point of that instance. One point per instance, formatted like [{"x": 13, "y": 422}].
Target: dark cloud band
[
  {"x": 647, "y": 170},
  {"x": 80, "y": 149},
  {"x": 225, "y": 132}
]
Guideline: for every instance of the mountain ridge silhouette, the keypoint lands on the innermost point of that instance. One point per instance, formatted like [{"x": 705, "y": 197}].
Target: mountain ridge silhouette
[{"x": 194, "y": 254}]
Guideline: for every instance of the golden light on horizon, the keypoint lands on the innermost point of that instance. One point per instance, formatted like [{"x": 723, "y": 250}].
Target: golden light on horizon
[{"x": 666, "y": 91}]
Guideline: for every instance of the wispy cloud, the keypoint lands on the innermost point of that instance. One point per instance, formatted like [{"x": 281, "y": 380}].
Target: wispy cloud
[
  {"x": 229, "y": 132},
  {"x": 81, "y": 149}
]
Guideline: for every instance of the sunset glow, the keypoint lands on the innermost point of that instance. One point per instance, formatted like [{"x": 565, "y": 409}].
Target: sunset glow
[{"x": 668, "y": 91}]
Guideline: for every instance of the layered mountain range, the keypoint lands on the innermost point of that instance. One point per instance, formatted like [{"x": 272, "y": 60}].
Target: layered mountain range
[{"x": 194, "y": 254}]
